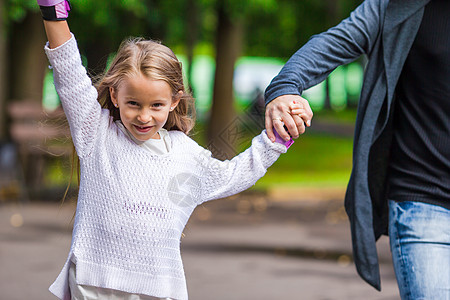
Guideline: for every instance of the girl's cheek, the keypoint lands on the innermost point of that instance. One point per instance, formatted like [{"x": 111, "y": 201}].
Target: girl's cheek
[
  {"x": 160, "y": 115},
  {"x": 127, "y": 115}
]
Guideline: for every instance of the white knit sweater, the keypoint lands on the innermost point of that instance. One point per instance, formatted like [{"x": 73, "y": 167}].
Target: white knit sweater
[{"x": 133, "y": 205}]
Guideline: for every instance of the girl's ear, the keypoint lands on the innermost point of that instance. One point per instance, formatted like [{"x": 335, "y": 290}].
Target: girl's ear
[
  {"x": 176, "y": 100},
  {"x": 112, "y": 93}
]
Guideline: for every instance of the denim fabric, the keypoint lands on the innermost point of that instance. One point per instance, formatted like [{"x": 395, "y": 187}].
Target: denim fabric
[{"x": 420, "y": 244}]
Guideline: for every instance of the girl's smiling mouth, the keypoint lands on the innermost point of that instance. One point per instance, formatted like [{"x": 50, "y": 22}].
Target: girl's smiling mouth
[{"x": 143, "y": 129}]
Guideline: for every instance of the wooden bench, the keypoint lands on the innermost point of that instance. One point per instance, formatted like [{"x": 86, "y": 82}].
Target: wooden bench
[{"x": 38, "y": 135}]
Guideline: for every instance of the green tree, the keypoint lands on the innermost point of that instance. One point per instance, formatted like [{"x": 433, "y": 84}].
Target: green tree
[
  {"x": 280, "y": 29},
  {"x": 100, "y": 26},
  {"x": 27, "y": 60},
  {"x": 283, "y": 30},
  {"x": 222, "y": 128},
  {"x": 233, "y": 27}
]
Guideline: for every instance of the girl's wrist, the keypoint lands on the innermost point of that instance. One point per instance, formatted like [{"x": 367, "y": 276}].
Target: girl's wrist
[{"x": 57, "y": 33}]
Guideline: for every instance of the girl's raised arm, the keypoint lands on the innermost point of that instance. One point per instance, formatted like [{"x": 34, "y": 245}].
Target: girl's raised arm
[
  {"x": 77, "y": 94},
  {"x": 55, "y": 13}
]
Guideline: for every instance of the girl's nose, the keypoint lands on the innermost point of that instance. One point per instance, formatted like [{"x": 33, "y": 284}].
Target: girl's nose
[{"x": 145, "y": 117}]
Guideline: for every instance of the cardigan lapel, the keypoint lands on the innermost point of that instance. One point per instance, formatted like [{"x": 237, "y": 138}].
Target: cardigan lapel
[
  {"x": 400, "y": 10},
  {"x": 401, "y": 24}
]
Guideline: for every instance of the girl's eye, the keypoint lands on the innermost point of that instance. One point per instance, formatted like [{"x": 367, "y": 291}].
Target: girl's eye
[
  {"x": 133, "y": 103},
  {"x": 157, "y": 104}
]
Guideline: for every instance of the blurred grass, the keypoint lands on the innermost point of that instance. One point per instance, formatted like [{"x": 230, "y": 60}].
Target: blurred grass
[
  {"x": 57, "y": 174},
  {"x": 346, "y": 116},
  {"x": 315, "y": 160}
]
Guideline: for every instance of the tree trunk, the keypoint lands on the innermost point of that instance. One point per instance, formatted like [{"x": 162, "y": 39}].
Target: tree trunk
[
  {"x": 327, "y": 100},
  {"x": 332, "y": 9},
  {"x": 27, "y": 58},
  {"x": 3, "y": 77},
  {"x": 191, "y": 36},
  {"x": 223, "y": 126},
  {"x": 27, "y": 66}
]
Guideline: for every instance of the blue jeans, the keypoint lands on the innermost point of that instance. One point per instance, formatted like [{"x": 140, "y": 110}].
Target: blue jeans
[{"x": 420, "y": 245}]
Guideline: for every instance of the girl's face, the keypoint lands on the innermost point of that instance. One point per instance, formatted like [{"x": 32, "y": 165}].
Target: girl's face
[{"x": 144, "y": 105}]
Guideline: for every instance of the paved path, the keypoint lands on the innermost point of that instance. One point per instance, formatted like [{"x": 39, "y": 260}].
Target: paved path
[{"x": 243, "y": 248}]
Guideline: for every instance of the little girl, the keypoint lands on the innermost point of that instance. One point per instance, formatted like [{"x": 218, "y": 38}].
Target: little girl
[{"x": 141, "y": 175}]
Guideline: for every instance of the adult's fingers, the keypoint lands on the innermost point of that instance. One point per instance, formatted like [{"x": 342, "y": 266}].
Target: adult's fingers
[
  {"x": 308, "y": 113},
  {"x": 299, "y": 123},
  {"x": 291, "y": 124},
  {"x": 301, "y": 113},
  {"x": 269, "y": 126}
]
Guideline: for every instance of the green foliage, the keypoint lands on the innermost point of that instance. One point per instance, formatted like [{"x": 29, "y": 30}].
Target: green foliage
[
  {"x": 103, "y": 12},
  {"x": 239, "y": 8},
  {"x": 286, "y": 26},
  {"x": 106, "y": 13},
  {"x": 273, "y": 27},
  {"x": 17, "y": 9}
]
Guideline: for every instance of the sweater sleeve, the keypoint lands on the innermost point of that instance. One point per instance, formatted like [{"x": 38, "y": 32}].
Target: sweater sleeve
[
  {"x": 78, "y": 95},
  {"x": 225, "y": 178},
  {"x": 324, "y": 52}
]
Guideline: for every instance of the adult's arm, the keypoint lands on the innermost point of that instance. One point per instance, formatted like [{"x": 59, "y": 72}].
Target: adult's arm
[{"x": 312, "y": 63}]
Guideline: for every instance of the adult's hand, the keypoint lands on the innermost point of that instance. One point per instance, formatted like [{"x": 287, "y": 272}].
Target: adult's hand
[{"x": 292, "y": 111}]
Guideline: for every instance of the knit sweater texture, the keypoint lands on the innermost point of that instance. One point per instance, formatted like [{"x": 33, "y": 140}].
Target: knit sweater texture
[{"x": 133, "y": 205}]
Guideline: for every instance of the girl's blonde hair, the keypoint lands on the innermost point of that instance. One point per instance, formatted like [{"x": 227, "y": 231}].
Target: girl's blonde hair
[{"x": 156, "y": 62}]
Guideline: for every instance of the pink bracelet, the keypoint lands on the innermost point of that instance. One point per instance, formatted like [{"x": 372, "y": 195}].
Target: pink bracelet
[{"x": 280, "y": 140}]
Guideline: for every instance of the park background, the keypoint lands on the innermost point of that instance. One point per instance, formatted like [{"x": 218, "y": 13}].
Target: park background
[{"x": 230, "y": 50}]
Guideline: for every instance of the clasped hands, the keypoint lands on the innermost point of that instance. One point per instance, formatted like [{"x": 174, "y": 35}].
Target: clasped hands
[{"x": 288, "y": 111}]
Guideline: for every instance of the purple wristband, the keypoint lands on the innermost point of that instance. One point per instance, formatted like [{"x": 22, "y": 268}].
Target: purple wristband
[
  {"x": 49, "y": 2},
  {"x": 62, "y": 10},
  {"x": 280, "y": 140}
]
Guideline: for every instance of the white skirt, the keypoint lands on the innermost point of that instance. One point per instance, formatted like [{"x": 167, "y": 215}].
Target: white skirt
[{"x": 87, "y": 292}]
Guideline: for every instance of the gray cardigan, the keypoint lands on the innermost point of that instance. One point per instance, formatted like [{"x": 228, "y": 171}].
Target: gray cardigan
[{"x": 384, "y": 31}]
